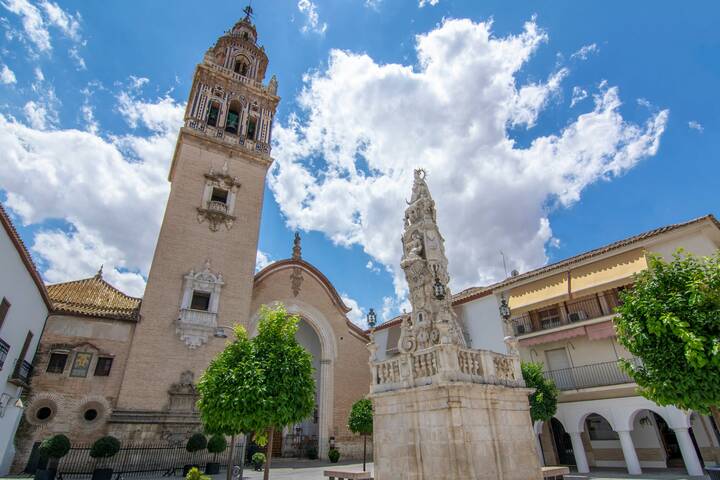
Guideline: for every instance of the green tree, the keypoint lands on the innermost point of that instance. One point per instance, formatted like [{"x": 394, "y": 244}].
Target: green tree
[
  {"x": 543, "y": 401},
  {"x": 287, "y": 375},
  {"x": 670, "y": 320},
  {"x": 230, "y": 389},
  {"x": 361, "y": 421},
  {"x": 258, "y": 385}
]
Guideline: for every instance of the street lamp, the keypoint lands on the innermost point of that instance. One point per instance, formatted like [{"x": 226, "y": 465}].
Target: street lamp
[
  {"x": 371, "y": 318},
  {"x": 220, "y": 332},
  {"x": 504, "y": 308},
  {"x": 439, "y": 289}
]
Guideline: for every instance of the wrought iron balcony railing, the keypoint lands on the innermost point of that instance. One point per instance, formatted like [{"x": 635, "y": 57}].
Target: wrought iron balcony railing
[
  {"x": 566, "y": 313},
  {"x": 588, "y": 376},
  {"x": 4, "y": 349},
  {"x": 22, "y": 372}
]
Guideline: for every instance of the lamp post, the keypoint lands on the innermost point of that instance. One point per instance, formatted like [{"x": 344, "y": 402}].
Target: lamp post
[
  {"x": 220, "y": 331},
  {"x": 504, "y": 308},
  {"x": 371, "y": 319}
]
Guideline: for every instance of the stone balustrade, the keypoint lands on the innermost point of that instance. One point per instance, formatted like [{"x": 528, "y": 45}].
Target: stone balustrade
[
  {"x": 235, "y": 76},
  {"x": 446, "y": 364}
]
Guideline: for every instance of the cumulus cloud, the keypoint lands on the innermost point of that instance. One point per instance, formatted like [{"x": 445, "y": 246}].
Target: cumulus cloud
[
  {"x": 262, "y": 260},
  {"x": 37, "y": 21},
  {"x": 432, "y": 3},
  {"x": 372, "y": 124},
  {"x": 7, "y": 76},
  {"x": 585, "y": 51},
  {"x": 372, "y": 267},
  {"x": 356, "y": 314},
  {"x": 312, "y": 18},
  {"x": 110, "y": 192},
  {"x": 695, "y": 125}
]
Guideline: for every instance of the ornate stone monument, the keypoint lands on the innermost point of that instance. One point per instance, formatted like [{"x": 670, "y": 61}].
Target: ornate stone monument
[{"x": 444, "y": 411}]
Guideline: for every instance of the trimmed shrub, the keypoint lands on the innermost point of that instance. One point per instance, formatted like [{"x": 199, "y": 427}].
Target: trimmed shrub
[
  {"x": 196, "y": 442},
  {"x": 56, "y": 446},
  {"x": 217, "y": 444},
  {"x": 105, "y": 447},
  {"x": 334, "y": 455},
  {"x": 258, "y": 460}
]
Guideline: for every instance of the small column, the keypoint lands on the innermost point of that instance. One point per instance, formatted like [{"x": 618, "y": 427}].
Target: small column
[
  {"x": 628, "y": 448},
  {"x": 579, "y": 451},
  {"x": 692, "y": 462}
]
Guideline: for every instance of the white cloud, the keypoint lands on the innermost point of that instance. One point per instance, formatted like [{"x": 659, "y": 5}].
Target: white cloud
[
  {"x": 32, "y": 21},
  {"x": 356, "y": 314},
  {"x": 36, "y": 26},
  {"x": 312, "y": 18},
  {"x": 37, "y": 115},
  {"x": 585, "y": 51},
  {"x": 578, "y": 95},
  {"x": 372, "y": 124},
  {"x": 262, "y": 260},
  {"x": 7, "y": 76},
  {"x": 374, "y": 4},
  {"x": 111, "y": 191},
  {"x": 432, "y": 3},
  {"x": 372, "y": 267},
  {"x": 695, "y": 125},
  {"x": 74, "y": 55}
]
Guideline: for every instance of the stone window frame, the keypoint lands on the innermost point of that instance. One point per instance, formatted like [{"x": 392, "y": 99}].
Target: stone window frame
[
  {"x": 194, "y": 327},
  {"x": 97, "y": 364},
  {"x": 66, "y": 353}
]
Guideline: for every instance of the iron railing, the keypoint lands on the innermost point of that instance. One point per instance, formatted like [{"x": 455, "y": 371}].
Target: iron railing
[
  {"x": 143, "y": 460},
  {"x": 22, "y": 372},
  {"x": 587, "y": 376},
  {"x": 4, "y": 349},
  {"x": 586, "y": 308}
]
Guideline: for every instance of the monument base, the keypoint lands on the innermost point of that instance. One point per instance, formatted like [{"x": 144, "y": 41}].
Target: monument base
[{"x": 458, "y": 431}]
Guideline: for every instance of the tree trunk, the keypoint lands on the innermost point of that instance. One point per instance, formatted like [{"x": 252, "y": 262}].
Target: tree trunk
[
  {"x": 716, "y": 415},
  {"x": 364, "y": 450},
  {"x": 228, "y": 474},
  {"x": 269, "y": 448}
]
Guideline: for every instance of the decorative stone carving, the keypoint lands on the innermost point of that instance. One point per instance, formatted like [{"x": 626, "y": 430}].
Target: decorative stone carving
[
  {"x": 194, "y": 326},
  {"x": 183, "y": 395},
  {"x": 296, "y": 280},
  {"x": 297, "y": 248},
  {"x": 425, "y": 264},
  {"x": 216, "y": 212},
  {"x": 273, "y": 86}
]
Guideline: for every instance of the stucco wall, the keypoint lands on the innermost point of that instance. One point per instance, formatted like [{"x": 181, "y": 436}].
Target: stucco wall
[
  {"x": 27, "y": 312},
  {"x": 481, "y": 319}
]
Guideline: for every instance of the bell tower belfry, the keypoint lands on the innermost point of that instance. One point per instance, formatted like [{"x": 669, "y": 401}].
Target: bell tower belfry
[{"x": 201, "y": 277}]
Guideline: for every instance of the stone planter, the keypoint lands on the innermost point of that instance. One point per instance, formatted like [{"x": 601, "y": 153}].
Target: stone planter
[
  {"x": 45, "y": 474},
  {"x": 102, "y": 474},
  {"x": 212, "y": 468}
]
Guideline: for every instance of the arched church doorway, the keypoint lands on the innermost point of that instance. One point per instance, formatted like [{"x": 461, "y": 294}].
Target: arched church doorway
[
  {"x": 563, "y": 443},
  {"x": 301, "y": 439}
]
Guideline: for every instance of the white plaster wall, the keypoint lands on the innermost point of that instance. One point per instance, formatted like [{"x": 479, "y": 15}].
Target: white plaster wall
[
  {"x": 27, "y": 312},
  {"x": 482, "y": 322},
  {"x": 381, "y": 338},
  {"x": 697, "y": 243}
]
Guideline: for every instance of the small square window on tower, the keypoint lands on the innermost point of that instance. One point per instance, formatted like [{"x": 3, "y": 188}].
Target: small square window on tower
[
  {"x": 200, "y": 301},
  {"x": 219, "y": 195}
]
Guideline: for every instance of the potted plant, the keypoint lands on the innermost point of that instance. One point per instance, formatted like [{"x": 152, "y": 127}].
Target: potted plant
[
  {"x": 194, "y": 444},
  {"x": 334, "y": 455},
  {"x": 312, "y": 453},
  {"x": 53, "y": 449},
  {"x": 258, "y": 460},
  {"x": 217, "y": 444},
  {"x": 101, "y": 450},
  {"x": 194, "y": 474}
]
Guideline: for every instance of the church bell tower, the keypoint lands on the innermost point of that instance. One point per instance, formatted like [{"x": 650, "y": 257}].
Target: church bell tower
[{"x": 201, "y": 277}]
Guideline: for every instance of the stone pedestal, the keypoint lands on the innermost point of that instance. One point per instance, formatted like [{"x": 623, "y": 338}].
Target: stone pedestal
[{"x": 458, "y": 431}]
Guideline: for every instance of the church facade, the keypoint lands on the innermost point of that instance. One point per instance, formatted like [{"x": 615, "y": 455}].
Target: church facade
[{"x": 202, "y": 281}]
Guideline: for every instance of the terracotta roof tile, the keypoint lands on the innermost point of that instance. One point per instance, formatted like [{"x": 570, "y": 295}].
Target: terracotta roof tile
[{"x": 93, "y": 297}]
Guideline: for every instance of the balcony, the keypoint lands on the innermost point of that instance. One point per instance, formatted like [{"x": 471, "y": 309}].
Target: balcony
[
  {"x": 566, "y": 313},
  {"x": 587, "y": 376},
  {"x": 21, "y": 374},
  {"x": 4, "y": 349}
]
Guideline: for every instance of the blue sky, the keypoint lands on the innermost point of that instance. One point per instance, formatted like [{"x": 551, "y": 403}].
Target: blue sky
[{"x": 547, "y": 128}]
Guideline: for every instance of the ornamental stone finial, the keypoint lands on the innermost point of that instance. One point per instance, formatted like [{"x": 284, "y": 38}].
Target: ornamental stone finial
[
  {"x": 297, "y": 249},
  {"x": 432, "y": 320}
]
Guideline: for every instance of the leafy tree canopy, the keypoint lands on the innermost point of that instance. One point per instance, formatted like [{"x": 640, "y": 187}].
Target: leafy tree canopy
[
  {"x": 261, "y": 383},
  {"x": 56, "y": 446},
  {"x": 543, "y": 402},
  {"x": 105, "y": 447},
  {"x": 361, "y": 417},
  {"x": 217, "y": 444},
  {"x": 670, "y": 320}
]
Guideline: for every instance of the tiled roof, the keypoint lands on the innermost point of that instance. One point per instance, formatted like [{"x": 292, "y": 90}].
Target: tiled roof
[
  {"x": 93, "y": 297},
  {"x": 24, "y": 255}
]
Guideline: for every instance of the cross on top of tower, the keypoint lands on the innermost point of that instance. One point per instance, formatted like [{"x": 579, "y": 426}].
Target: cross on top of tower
[{"x": 248, "y": 12}]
